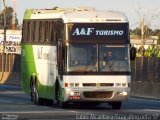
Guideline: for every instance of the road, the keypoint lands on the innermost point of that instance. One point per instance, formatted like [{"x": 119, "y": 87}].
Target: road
[{"x": 14, "y": 104}]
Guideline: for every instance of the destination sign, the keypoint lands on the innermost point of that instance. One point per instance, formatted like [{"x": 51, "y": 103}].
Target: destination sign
[{"x": 99, "y": 31}]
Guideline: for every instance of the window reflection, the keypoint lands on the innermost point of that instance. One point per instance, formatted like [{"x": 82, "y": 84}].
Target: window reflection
[
  {"x": 97, "y": 58},
  {"x": 82, "y": 57},
  {"x": 113, "y": 58}
]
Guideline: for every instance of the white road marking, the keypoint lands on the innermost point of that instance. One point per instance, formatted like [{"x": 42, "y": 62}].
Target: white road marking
[
  {"x": 39, "y": 112},
  {"x": 10, "y": 92},
  {"x": 146, "y": 99},
  {"x": 6, "y": 101},
  {"x": 152, "y": 110}
]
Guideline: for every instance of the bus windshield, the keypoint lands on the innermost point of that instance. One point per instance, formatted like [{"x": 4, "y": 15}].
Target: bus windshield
[{"x": 97, "y": 58}]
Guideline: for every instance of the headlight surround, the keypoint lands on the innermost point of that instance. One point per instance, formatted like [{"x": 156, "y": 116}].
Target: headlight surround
[{"x": 117, "y": 84}]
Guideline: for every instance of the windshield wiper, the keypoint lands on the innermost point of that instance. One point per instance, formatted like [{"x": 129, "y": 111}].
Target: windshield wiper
[
  {"x": 93, "y": 67},
  {"x": 109, "y": 65},
  {"x": 86, "y": 67}
]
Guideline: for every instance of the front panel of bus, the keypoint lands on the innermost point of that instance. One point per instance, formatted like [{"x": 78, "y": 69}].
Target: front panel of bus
[{"x": 97, "y": 62}]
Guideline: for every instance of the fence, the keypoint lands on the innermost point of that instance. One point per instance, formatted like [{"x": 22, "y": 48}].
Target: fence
[
  {"x": 146, "y": 69},
  {"x": 145, "y": 77},
  {"x": 10, "y": 69}
]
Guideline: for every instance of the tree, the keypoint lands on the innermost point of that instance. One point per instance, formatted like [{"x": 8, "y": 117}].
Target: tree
[
  {"x": 9, "y": 14},
  {"x": 136, "y": 32},
  {"x": 147, "y": 32},
  {"x": 148, "y": 17}
]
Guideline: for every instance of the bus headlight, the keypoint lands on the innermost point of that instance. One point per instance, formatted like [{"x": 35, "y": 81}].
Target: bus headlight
[
  {"x": 71, "y": 93},
  {"x": 124, "y": 93},
  {"x": 74, "y": 93}
]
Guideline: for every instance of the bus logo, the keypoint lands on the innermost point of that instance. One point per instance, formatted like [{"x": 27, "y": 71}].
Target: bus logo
[
  {"x": 83, "y": 31},
  {"x": 98, "y": 85}
]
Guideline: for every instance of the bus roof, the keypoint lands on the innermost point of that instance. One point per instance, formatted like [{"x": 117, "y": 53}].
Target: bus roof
[
  {"x": 76, "y": 15},
  {"x": 94, "y": 16}
]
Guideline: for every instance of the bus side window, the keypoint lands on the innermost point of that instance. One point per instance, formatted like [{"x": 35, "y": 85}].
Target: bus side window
[
  {"x": 36, "y": 31},
  {"x": 49, "y": 31},
  {"x": 32, "y": 31},
  {"x": 25, "y": 26},
  {"x": 41, "y": 32},
  {"x": 53, "y": 34},
  {"x": 46, "y": 31},
  {"x": 28, "y": 31},
  {"x": 60, "y": 31}
]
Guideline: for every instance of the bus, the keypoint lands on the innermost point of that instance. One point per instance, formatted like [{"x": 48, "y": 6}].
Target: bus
[{"x": 76, "y": 55}]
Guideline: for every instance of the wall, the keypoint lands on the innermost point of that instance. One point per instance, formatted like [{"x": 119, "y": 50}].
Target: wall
[{"x": 10, "y": 69}]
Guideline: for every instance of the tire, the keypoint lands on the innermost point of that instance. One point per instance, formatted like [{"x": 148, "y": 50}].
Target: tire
[
  {"x": 34, "y": 94},
  {"x": 31, "y": 91},
  {"x": 116, "y": 105},
  {"x": 56, "y": 90}
]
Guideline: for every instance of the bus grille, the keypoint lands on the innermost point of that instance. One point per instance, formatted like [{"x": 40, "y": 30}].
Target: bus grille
[
  {"x": 98, "y": 84},
  {"x": 98, "y": 94}
]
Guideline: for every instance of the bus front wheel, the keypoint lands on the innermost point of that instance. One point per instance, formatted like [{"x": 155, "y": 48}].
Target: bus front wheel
[{"x": 31, "y": 91}]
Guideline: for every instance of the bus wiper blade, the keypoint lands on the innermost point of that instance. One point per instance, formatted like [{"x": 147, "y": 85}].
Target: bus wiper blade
[
  {"x": 86, "y": 68},
  {"x": 110, "y": 66}
]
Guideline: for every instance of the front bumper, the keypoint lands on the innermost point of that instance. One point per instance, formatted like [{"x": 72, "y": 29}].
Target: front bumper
[{"x": 96, "y": 94}]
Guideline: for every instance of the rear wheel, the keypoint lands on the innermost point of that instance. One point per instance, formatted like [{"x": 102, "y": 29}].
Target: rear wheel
[
  {"x": 31, "y": 91},
  {"x": 116, "y": 105},
  {"x": 34, "y": 94}
]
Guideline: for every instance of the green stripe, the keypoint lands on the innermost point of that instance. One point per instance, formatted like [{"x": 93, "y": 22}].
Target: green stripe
[
  {"x": 46, "y": 91},
  {"x": 28, "y": 14},
  {"x": 27, "y": 67}
]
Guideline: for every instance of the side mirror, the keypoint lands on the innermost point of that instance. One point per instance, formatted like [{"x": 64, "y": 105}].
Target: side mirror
[{"x": 133, "y": 52}]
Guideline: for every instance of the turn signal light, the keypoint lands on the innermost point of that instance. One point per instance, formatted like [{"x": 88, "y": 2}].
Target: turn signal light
[{"x": 65, "y": 84}]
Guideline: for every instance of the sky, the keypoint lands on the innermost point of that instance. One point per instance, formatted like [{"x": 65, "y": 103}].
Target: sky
[{"x": 134, "y": 9}]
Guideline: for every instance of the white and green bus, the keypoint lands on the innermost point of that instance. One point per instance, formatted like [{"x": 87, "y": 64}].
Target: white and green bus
[{"x": 76, "y": 55}]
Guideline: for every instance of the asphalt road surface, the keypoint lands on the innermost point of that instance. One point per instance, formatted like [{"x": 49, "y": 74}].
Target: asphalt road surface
[{"x": 15, "y": 105}]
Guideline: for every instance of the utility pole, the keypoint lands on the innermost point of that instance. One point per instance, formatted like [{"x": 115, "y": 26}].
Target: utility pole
[
  {"x": 14, "y": 15},
  {"x": 4, "y": 13},
  {"x": 4, "y": 42},
  {"x": 142, "y": 35}
]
